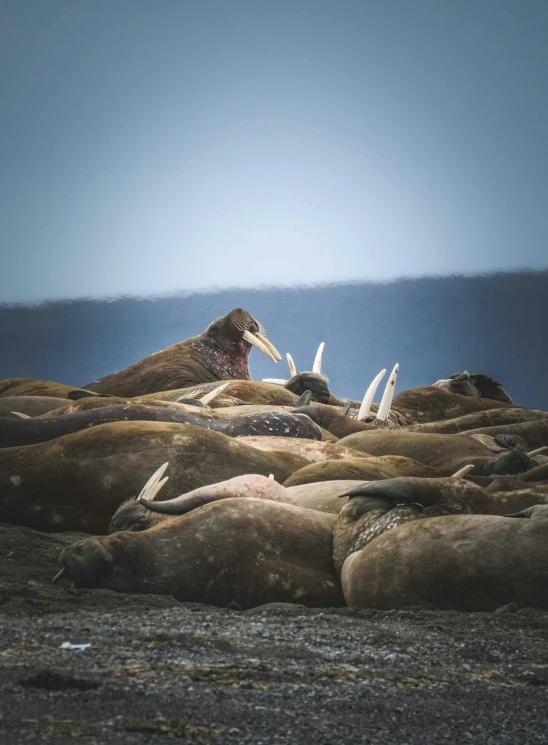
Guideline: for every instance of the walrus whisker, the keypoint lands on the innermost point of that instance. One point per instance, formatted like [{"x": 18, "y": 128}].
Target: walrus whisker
[
  {"x": 530, "y": 454},
  {"x": 386, "y": 401},
  {"x": 256, "y": 342},
  {"x": 365, "y": 408},
  {"x": 209, "y": 397},
  {"x": 59, "y": 575},
  {"x": 461, "y": 473},
  {"x": 152, "y": 483},
  {"x": 292, "y": 366},
  {"x": 20, "y": 415},
  {"x": 268, "y": 345},
  {"x": 317, "y": 366}
]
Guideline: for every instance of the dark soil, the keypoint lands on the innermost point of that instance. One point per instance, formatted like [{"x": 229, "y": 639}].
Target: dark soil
[{"x": 159, "y": 671}]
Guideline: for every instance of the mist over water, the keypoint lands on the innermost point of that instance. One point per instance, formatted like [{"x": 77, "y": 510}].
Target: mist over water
[{"x": 494, "y": 324}]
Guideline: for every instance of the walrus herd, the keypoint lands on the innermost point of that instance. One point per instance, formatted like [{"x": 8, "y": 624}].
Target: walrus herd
[{"x": 195, "y": 481}]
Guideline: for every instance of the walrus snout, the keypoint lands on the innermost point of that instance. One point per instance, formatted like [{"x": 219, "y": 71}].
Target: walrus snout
[
  {"x": 510, "y": 462},
  {"x": 87, "y": 562}
]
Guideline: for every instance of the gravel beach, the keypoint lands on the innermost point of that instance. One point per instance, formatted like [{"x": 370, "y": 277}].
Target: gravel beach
[{"x": 157, "y": 670}]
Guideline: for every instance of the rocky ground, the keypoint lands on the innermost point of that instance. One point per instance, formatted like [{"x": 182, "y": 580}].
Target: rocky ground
[{"x": 157, "y": 670}]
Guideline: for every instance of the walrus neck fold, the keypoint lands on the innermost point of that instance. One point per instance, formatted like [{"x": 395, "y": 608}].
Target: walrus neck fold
[{"x": 362, "y": 519}]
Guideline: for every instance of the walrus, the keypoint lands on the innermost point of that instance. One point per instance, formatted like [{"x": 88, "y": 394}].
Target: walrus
[
  {"x": 474, "y": 384},
  {"x": 219, "y": 353},
  {"x": 29, "y": 405},
  {"x": 250, "y": 391},
  {"x": 76, "y": 482},
  {"x": 535, "y": 433},
  {"x": 15, "y": 432},
  {"x": 431, "y": 404},
  {"x": 311, "y": 451},
  {"x": 448, "y": 453},
  {"x": 478, "y": 420},
  {"x": 455, "y": 562},
  {"x": 146, "y": 511},
  {"x": 364, "y": 469},
  {"x": 242, "y": 552},
  {"x": 376, "y": 507},
  {"x": 35, "y": 387}
]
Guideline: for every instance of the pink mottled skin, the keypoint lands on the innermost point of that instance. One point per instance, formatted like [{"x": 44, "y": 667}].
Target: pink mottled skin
[{"x": 232, "y": 366}]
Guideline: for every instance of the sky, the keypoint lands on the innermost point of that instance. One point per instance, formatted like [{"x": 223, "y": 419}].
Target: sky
[{"x": 165, "y": 146}]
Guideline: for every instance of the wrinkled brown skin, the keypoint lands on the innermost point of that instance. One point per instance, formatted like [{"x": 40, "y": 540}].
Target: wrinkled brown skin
[
  {"x": 431, "y": 404},
  {"x": 361, "y": 469},
  {"x": 30, "y": 431},
  {"x": 448, "y": 453},
  {"x": 98, "y": 402},
  {"x": 32, "y": 406},
  {"x": 377, "y": 507},
  {"x": 466, "y": 563},
  {"x": 310, "y": 451},
  {"x": 477, "y": 420},
  {"x": 35, "y": 387},
  {"x": 242, "y": 552},
  {"x": 251, "y": 391},
  {"x": 335, "y": 422},
  {"x": 534, "y": 433},
  {"x": 540, "y": 473},
  {"x": 78, "y": 481},
  {"x": 135, "y": 515},
  {"x": 219, "y": 353}
]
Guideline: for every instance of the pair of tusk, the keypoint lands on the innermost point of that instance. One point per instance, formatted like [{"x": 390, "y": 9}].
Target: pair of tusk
[
  {"x": 154, "y": 484},
  {"x": 538, "y": 451},
  {"x": 262, "y": 343},
  {"x": 461, "y": 473},
  {"x": 316, "y": 367},
  {"x": 386, "y": 401}
]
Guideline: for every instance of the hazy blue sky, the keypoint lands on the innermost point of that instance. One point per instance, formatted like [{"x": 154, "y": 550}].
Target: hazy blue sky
[{"x": 166, "y": 145}]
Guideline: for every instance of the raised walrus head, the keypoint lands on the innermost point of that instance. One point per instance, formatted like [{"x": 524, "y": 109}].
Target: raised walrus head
[
  {"x": 474, "y": 384},
  {"x": 219, "y": 353},
  {"x": 235, "y": 334}
]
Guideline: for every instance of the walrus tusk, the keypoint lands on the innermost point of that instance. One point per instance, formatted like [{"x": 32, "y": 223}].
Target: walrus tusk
[
  {"x": 19, "y": 414},
  {"x": 345, "y": 411},
  {"x": 531, "y": 454},
  {"x": 59, "y": 575},
  {"x": 209, "y": 397},
  {"x": 461, "y": 473},
  {"x": 292, "y": 367},
  {"x": 256, "y": 342},
  {"x": 271, "y": 476},
  {"x": 386, "y": 401},
  {"x": 194, "y": 393},
  {"x": 275, "y": 381},
  {"x": 154, "y": 484},
  {"x": 317, "y": 366},
  {"x": 365, "y": 408},
  {"x": 269, "y": 345}
]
